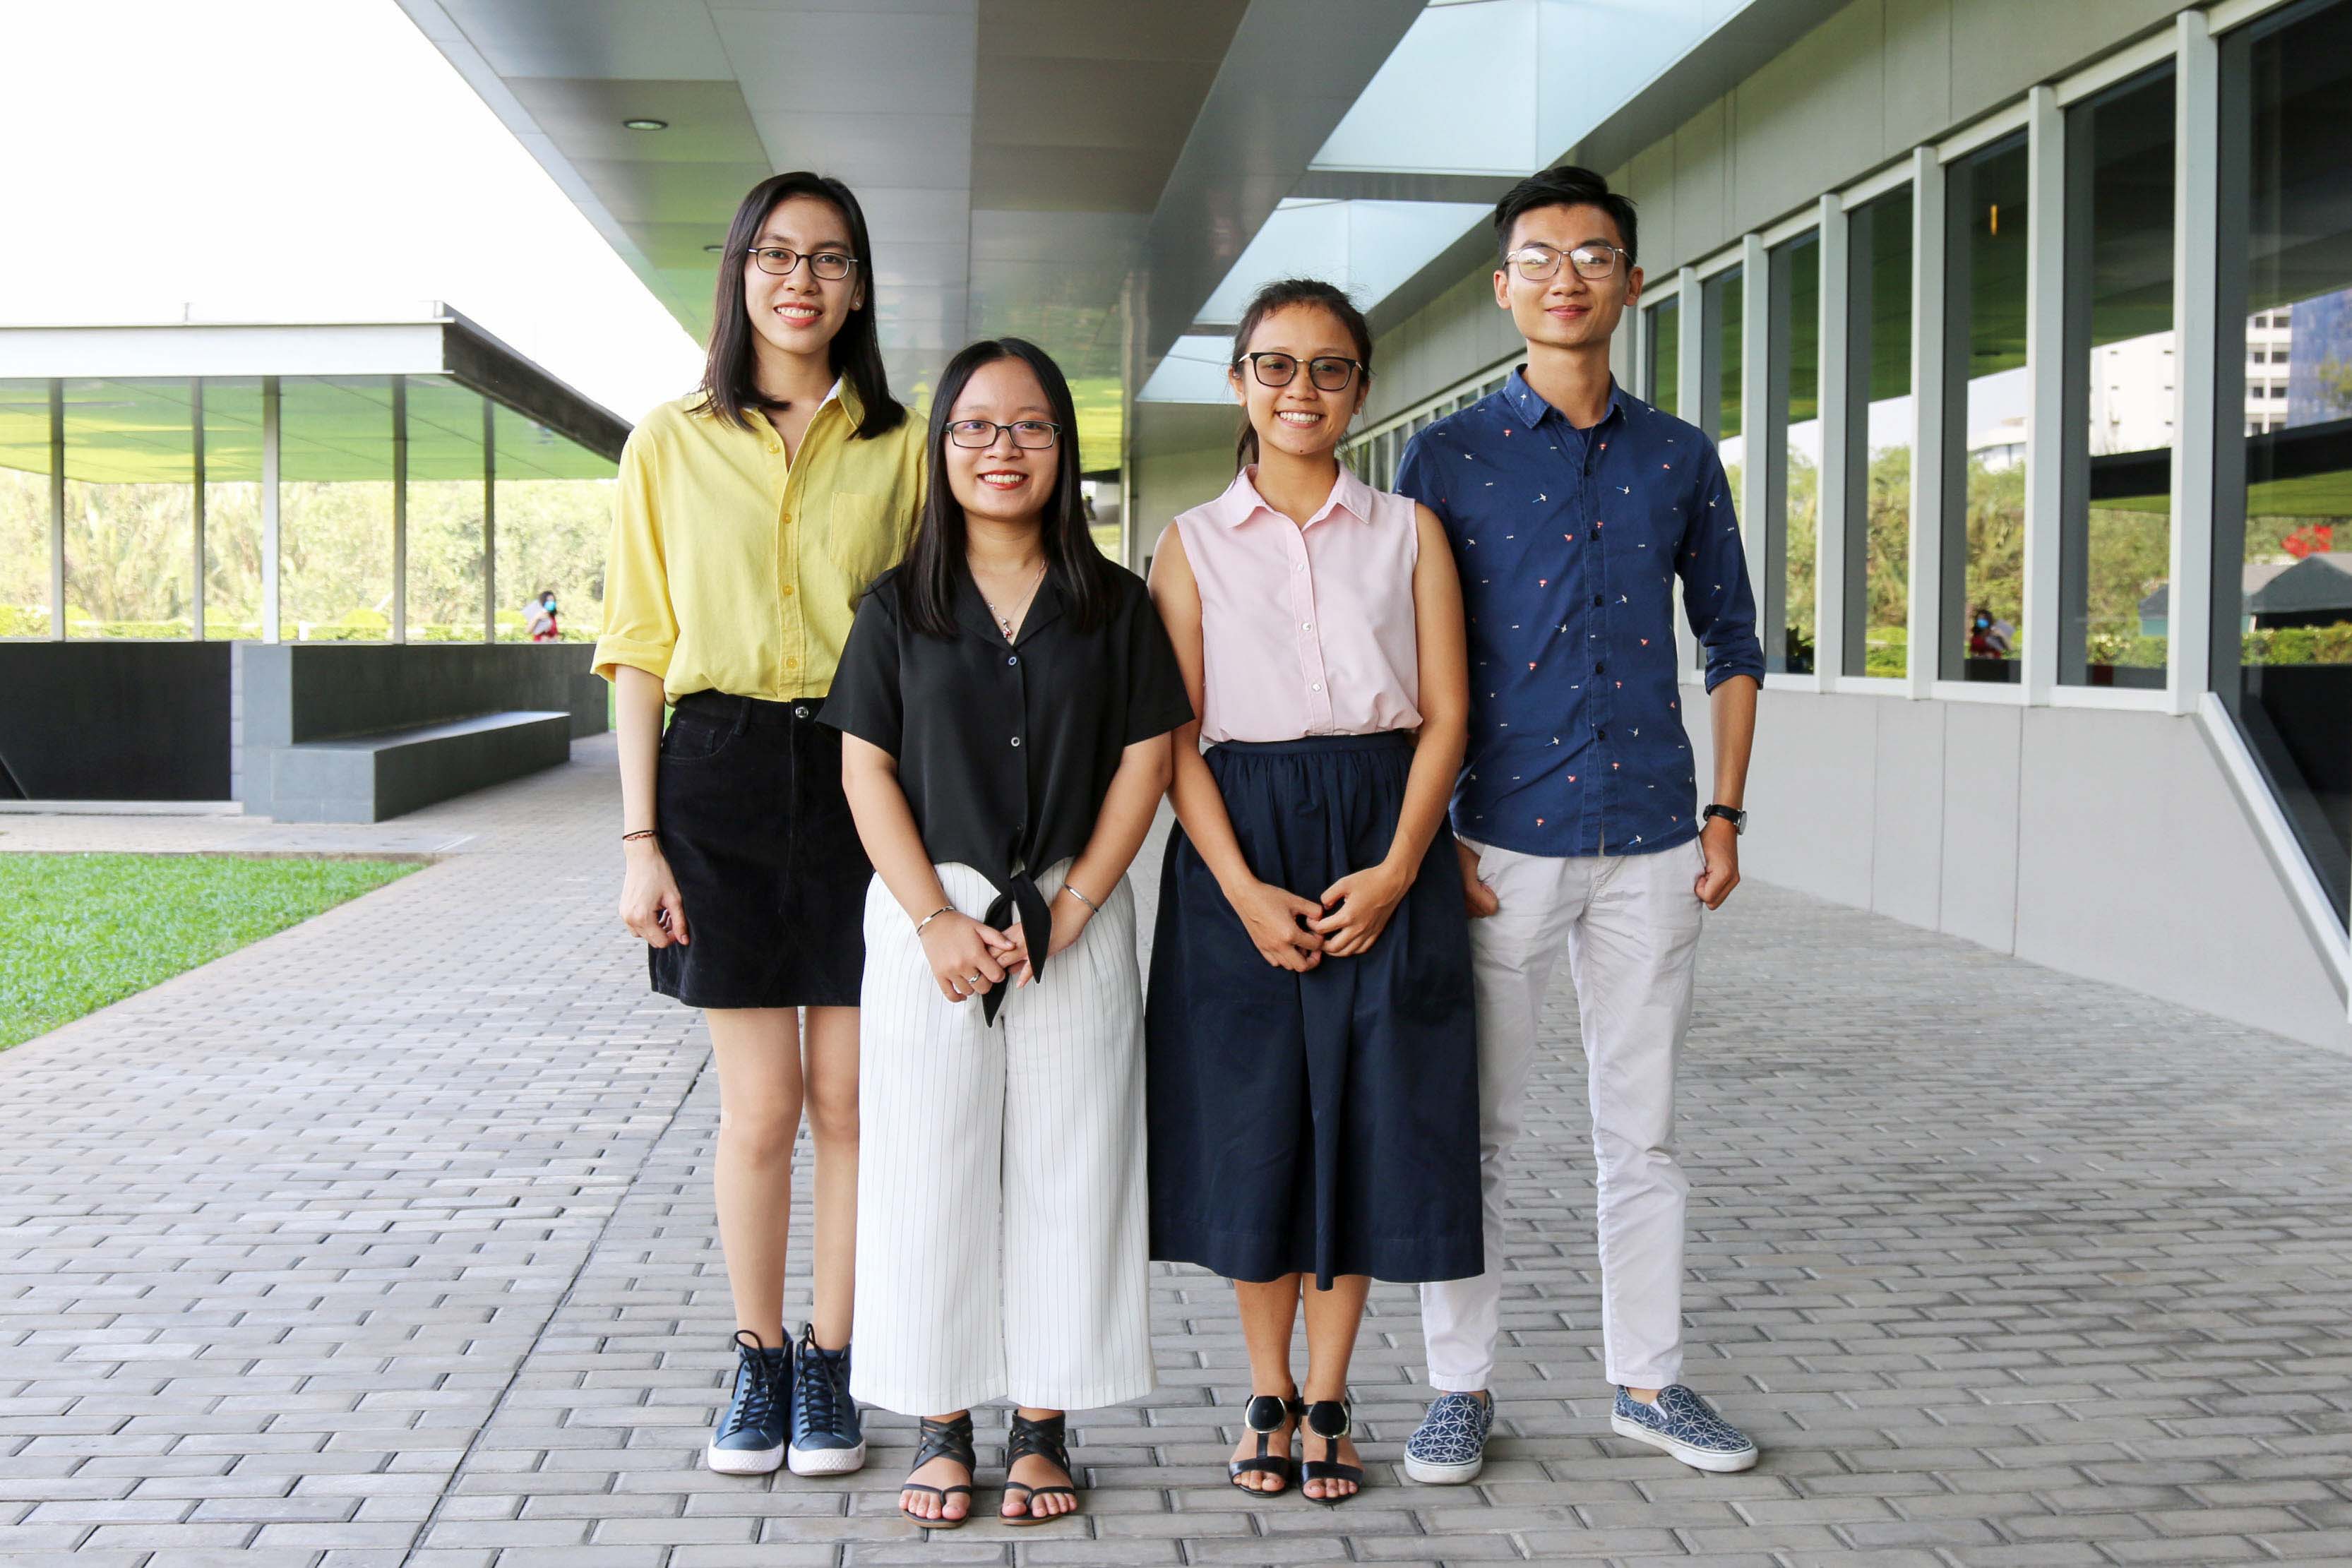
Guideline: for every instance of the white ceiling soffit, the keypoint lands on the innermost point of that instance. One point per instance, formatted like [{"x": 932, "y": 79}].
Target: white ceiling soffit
[
  {"x": 1364, "y": 247},
  {"x": 1007, "y": 153}
]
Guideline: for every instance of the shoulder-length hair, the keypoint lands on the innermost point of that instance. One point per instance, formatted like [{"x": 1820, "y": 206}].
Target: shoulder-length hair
[
  {"x": 927, "y": 581},
  {"x": 855, "y": 352}
]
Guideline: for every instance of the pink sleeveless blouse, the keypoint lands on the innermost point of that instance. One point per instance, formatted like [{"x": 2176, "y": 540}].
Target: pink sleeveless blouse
[{"x": 1305, "y": 630}]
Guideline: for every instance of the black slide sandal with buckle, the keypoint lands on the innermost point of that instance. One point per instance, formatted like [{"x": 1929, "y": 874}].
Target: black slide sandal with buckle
[
  {"x": 1332, "y": 1419},
  {"x": 1263, "y": 1415},
  {"x": 1043, "y": 1439},
  {"x": 942, "y": 1441}
]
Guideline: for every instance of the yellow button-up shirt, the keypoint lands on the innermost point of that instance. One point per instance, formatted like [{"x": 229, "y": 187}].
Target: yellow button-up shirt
[{"x": 733, "y": 570}]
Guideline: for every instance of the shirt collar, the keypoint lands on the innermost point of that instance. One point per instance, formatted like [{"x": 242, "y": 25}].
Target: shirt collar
[
  {"x": 1241, "y": 501},
  {"x": 1532, "y": 409}
]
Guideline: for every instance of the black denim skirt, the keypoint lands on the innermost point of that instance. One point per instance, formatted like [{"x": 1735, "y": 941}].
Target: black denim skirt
[{"x": 752, "y": 820}]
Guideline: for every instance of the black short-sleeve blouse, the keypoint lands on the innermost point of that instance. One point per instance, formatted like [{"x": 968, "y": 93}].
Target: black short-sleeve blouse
[{"x": 1004, "y": 749}]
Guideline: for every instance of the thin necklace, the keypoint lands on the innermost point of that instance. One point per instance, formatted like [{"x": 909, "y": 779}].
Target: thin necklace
[{"x": 1005, "y": 621}]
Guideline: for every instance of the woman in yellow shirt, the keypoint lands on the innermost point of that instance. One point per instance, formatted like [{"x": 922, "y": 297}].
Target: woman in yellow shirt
[{"x": 751, "y": 517}]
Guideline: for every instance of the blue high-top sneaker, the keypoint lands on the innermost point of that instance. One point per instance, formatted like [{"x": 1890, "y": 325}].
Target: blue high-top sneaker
[
  {"x": 828, "y": 1439},
  {"x": 749, "y": 1437}
]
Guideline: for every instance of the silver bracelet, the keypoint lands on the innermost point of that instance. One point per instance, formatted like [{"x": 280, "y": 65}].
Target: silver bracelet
[
  {"x": 934, "y": 915},
  {"x": 1082, "y": 898}
]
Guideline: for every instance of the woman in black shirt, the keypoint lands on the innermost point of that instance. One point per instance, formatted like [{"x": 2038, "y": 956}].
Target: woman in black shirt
[{"x": 1006, "y": 698}]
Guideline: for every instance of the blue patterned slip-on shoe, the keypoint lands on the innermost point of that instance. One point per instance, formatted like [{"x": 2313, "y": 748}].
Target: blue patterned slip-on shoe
[
  {"x": 1449, "y": 1447},
  {"x": 1685, "y": 1425},
  {"x": 828, "y": 1437},
  {"x": 749, "y": 1437}
]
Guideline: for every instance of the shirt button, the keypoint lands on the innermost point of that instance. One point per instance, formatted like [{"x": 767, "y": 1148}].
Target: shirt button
[
  {"x": 1016, "y": 741},
  {"x": 786, "y": 519},
  {"x": 1298, "y": 566},
  {"x": 1307, "y": 625},
  {"x": 1596, "y": 601},
  {"x": 792, "y": 661},
  {"x": 1599, "y": 668},
  {"x": 1013, "y": 658},
  {"x": 1599, "y": 734},
  {"x": 788, "y": 590},
  {"x": 1316, "y": 687}
]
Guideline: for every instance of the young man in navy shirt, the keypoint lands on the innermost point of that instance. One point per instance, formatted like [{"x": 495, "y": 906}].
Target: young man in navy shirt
[{"x": 1575, "y": 510}]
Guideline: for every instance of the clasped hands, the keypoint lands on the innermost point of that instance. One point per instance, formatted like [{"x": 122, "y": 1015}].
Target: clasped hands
[
  {"x": 970, "y": 958},
  {"x": 1297, "y": 934}
]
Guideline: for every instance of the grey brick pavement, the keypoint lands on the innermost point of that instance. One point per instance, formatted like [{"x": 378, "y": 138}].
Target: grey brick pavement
[{"x": 387, "y": 1240}]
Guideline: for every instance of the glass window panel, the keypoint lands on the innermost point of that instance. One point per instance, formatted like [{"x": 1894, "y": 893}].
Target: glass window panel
[
  {"x": 1720, "y": 412},
  {"x": 23, "y": 508},
  {"x": 1880, "y": 417},
  {"x": 232, "y": 507},
  {"x": 1792, "y": 453},
  {"x": 554, "y": 513},
  {"x": 2282, "y": 485},
  {"x": 334, "y": 507},
  {"x": 1663, "y": 347},
  {"x": 2116, "y": 531},
  {"x": 445, "y": 511},
  {"x": 1985, "y": 399},
  {"x": 129, "y": 508}
]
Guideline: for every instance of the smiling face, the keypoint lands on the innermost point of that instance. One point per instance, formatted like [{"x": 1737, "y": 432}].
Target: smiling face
[
  {"x": 1566, "y": 310},
  {"x": 1300, "y": 419},
  {"x": 1003, "y": 481},
  {"x": 799, "y": 314}
]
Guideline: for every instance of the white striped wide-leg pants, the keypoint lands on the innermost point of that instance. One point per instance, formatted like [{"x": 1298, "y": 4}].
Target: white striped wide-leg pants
[{"x": 1001, "y": 1220}]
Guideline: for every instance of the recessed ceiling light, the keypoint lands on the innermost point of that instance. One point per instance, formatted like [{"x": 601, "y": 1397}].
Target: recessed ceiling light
[{"x": 646, "y": 124}]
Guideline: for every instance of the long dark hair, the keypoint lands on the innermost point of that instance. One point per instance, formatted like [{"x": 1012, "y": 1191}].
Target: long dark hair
[
  {"x": 855, "y": 352},
  {"x": 1280, "y": 295},
  {"x": 927, "y": 581}
]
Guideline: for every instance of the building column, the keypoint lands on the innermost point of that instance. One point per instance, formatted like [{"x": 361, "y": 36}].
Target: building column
[
  {"x": 196, "y": 502},
  {"x": 1763, "y": 531},
  {"x": 2196, "y": 287},
  {"x": 400, "y": 508},
  {"x": 2045, "y": 400},
  {"x": 489, "y": 522},
  {"x": 1835, "y": 499},
  {"x": 57, "y": 511},
  {"x": 1928, "y": 457},
  {"x": 271, "y": 535}
]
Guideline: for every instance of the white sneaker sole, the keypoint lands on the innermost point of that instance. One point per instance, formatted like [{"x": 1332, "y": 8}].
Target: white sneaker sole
[
  {"x": 827, "y": 1461},
  {"x": 1431, "y": 1474},
  {"x": 1696, "y": 1458},
  {"x": 744, "y": 1461}
]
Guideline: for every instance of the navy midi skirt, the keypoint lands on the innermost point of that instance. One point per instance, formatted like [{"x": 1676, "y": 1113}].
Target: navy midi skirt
[{"x": 1324, "y": 1122}]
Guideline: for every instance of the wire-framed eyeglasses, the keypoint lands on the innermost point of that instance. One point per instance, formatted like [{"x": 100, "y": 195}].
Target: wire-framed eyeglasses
[
  {"x": 1592, "y": 262},
  {"x": 1328, "y": 373},
  {"x": 1031, "y": 435},
  {"x": 829, "y": 264}
]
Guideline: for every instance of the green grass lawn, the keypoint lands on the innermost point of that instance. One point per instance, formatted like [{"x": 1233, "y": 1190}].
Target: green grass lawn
[{"x": 87, "y": 930}]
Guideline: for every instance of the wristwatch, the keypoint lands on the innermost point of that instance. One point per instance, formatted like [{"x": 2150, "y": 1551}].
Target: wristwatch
[{"x": 1732, "y": 814}]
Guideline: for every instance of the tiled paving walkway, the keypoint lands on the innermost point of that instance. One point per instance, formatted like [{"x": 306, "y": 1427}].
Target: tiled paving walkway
[{"x": 387, "y": 1240}]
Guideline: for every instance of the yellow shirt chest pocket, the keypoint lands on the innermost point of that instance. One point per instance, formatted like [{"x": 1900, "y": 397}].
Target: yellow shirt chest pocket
[{"x": 862, "y": 539}]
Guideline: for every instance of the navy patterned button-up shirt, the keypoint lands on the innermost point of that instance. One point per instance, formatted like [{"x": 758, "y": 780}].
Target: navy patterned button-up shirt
[{"x": 1569, "y": 542}]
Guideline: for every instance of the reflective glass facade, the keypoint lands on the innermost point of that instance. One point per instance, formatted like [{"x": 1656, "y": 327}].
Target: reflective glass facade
[
  {"x": 1791, "y": 453},
  {"x": 2282, "y": 658},
  {"x": 1881, "y": 416},
  {"x": 1985, "y": 407},
  {"x": 164, "y": 512}
]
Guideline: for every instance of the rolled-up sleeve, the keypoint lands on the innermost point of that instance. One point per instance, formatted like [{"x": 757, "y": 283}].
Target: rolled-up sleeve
[
  {"x": 1716, "y": 594},
  {"x": 640, "y": 626}
]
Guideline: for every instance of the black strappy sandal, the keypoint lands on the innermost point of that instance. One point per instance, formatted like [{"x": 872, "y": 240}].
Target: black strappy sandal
[
  {"x": 1044, "y": 1439},
  {"x": 1332, "y": 1419},
  {"x": 942, "y": 1441},
  {"x": 1263, "y": 1415}
]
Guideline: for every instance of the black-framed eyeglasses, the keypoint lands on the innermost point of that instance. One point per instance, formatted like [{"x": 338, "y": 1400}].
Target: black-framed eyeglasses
[
  {"x": 1328, "y": 372},
  {"x": 1029, "y": 435},
  {"x": 830, "y": 265},
  {"x": 1592, "y": 262}
]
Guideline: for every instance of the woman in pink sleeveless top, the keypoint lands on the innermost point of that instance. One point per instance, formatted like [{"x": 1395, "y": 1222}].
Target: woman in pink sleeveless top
[{"x": 1311, "y": 1055}]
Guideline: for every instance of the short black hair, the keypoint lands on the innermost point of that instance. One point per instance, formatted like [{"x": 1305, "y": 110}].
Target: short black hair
[{"x": 1566, "y": 186}]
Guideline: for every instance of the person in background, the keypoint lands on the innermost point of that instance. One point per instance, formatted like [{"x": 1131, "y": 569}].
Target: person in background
[
  {"x": 1313, "y": 1068},
  {"x": 1005, "y": 701},
  {"x": 751, "y": 517},
  {"x": 542, "y": 623},
  {"x": 1573, "y": 507}
]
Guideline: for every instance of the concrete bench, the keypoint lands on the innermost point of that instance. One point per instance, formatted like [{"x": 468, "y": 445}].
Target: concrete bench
[{"x": 368, "y": 777}]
